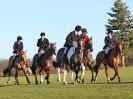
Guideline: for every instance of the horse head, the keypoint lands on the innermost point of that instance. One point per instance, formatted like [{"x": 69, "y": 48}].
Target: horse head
[
  {"x": 53, "y": 48},
  {"x": 119, "y": 47},
  {"x": 89, "y": 45}
]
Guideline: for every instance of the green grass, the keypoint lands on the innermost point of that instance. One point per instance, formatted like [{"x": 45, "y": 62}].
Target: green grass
[{"x": 100, "y": 90}]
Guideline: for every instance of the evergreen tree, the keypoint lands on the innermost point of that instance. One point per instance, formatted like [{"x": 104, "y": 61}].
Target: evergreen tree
[{"x": 121, "y": 22}]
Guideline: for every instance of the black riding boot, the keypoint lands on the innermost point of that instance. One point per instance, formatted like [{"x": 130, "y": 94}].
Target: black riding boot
[
  {"x": 63, "y": 58},
  {"x": 105, "y": 58}
]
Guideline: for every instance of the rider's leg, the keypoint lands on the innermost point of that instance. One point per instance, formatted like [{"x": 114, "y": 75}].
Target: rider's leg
[{"x": 106, "y": 55}]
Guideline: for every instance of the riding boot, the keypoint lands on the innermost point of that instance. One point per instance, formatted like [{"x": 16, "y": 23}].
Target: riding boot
[
  {"x": 105, "y": 59},
  {"x": 13, "y": 62},
  {"x": 64, "y": 57}
]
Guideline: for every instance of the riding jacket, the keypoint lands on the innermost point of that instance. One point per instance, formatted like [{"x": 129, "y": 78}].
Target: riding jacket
[
  {"x": 43, "y": 45},
  {"x": 18, "y": 47}
]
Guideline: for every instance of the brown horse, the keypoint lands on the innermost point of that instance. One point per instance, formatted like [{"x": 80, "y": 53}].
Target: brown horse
[
  {"x": 20, "y": 64},
  {"x": 45, "y": 63},
  {"x": 87, "y": 57},
  {"x": 113, "y": 61}
]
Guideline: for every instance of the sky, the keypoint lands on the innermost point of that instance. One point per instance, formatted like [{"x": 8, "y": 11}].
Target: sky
[{"x": 57, "y": 18}]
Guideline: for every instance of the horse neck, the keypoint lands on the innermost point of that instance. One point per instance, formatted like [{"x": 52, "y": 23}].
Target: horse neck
[
  {"x": 115, "y": 52},
  {"x": 49, "y": 53}
]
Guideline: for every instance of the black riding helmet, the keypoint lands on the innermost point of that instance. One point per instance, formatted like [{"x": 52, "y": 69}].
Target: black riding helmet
[
  {"x": 110, "y": 31},
  {"x": 78, "y": 28},
  {"x": 84, "y": 30},
  {"x": 42, "y": 34},
  {"x": 19, "y": 38}
]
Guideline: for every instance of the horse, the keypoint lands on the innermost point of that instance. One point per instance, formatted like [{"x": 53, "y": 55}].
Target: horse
[
  {"x": 113, "y": 61},
  {"x": 20, "y": 64},
  {"x": 87, "y": 58},
  {"x": 9, "y": 68},
  {"x": 71, "y": 61},
  {"x": 45, "y": 63}
]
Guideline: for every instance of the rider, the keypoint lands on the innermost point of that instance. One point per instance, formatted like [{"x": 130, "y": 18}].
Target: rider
[
  {"x": 72, "y": 38},
  {"x": 43, "y": 44},
  {"x": 17, "y": 47},
  {"x": 84, "y": 36},
  {"x": 109, "y": 43}
]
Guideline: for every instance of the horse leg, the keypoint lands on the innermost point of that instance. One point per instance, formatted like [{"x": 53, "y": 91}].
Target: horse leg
[
  {"x": 36, "y": 81},
  {"x": 65, "y": 72},
  {"x": 47, "y": 77},
  {"x": 114, "y": 74},
  {"x": 9, "y": 75},
  {"x": 16, "y": 77},
  {"x": 82, "y": 74},
  {"x": 118, "y": 74},
  {"x": 106, "y": 71},
  {"x": 96, "y": 70},
  {"x": 92, "y": 77},
  {"x": 76, "y": 78},
  {"x": 41, "y": 77},
  {"x": 24, "y": 71},
  {"x": 58, "y": 75},
  {"x": 71, "y": 74}
]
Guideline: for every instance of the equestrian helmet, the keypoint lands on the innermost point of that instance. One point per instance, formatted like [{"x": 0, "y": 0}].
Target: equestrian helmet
[
  {"x": 84, "y": 30},
  {"x": 110, "y": 31},
  {"x": 42, "y": 34},
  {"x": 19, "y": 38},
  {"x": 78, "y": 28}
]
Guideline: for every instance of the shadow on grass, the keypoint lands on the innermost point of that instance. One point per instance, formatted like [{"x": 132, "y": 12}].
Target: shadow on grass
[{"x": 111, "y": 83}]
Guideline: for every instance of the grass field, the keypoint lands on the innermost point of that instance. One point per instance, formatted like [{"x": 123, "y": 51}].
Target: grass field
[{"x": 100, "y": 90}]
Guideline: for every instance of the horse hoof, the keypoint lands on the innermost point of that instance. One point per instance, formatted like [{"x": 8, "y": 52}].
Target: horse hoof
[
  {"x": 83, "y": 81},
  {"x": 46, "y": 78},
  {"x": 65, "y": 83},
  {"x": 8, "y": 82},
  {"x": 75, "y": 83},
  {"x": 58, "y": 80},
  {"x": 48, "y": 82},
  {"x": 111, "y": 79},
  {"x": 37, "y": 83}
]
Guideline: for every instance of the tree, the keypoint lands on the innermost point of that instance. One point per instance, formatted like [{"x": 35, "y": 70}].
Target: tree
[{"x": 121, "y": 22}]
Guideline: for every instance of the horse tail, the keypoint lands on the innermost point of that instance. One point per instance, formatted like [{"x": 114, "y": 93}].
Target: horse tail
[
  {"x": 99, "y": 60},
  {"x": 6, "y": 70},
  {"x": 34, "y": 64}
]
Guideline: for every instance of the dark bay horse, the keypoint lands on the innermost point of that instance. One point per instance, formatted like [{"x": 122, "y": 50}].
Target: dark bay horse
[
  {"x": 9, "y": 68},
  {"x": 20, "y": 64},
  {"x": 113, "y": 61},
  {"x": 87, "y": 58},
  {"x": 45, "y": 63}
]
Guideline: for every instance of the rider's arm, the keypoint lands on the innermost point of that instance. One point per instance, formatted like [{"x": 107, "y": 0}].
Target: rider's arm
[
  {"x": 69, "y": 38},
  {"x": 38, "y": 43}
]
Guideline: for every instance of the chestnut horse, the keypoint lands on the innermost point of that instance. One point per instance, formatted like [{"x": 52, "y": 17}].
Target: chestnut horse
[
  {"x": 113, "y": 61},
  {"x": 45, "y": 63},
  {"x": 9, "y": 68},
  {"x": 20, "y": 64}
]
